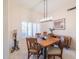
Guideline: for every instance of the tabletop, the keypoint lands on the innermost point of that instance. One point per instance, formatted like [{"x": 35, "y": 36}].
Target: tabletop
[{"x": 48, "y": 41}]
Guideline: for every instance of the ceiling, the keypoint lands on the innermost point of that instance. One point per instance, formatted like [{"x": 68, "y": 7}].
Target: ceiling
[{"x": 38, "y": 5}]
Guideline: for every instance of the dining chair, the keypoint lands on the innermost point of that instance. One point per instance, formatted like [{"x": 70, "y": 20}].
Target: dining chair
[
  {"x": 44, "y": 33},
  {"x": 33, "y": 47},
  {"x": 38, "y": 35},
  {"x": 67, "y": 41},
  {"x": 55, "y": 51}
]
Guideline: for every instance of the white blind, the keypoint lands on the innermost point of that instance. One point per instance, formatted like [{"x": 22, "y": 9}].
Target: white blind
[{"x": 29, "y": 29}]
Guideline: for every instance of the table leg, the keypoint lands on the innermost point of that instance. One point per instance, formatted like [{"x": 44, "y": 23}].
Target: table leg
[{"x": 45, "y": 53}]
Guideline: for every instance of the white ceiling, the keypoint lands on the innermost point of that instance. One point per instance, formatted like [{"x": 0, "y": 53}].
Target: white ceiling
[{"x": 38, "y": 5}]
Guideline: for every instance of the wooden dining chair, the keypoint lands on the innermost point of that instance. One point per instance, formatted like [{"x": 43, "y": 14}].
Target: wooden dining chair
[
  {"x": 33, "y": 47},
  {"x": 67, "y": 41},
  {"x": 58, "y": 51},
  {"x": 44, "y": 33},
  {"x": 38, "y": 35}
]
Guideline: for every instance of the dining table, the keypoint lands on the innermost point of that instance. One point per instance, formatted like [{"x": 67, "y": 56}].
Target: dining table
[{"x": 47, "y": 42}]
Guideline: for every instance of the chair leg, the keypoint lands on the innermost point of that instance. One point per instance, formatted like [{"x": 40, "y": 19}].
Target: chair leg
[
  {"x": 48, "y": 57},
  {"x": 37, "y": 56},
  {"x": 42, "y": 51},
  {"x": 61, "y": 57},
  {"x": 53, "y": 57},
  {"x": 28, "y": 55}
]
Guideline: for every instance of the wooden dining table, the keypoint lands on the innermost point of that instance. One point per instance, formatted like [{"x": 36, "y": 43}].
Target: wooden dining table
[{"x": 47, "y": 42}]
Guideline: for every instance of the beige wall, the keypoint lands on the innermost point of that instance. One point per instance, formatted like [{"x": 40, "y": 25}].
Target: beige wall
[
  {"x": 16, "y": 14},
  {"x": 70, "y": 21},
  {"x": 5, "y": 30},
  {"x": 70, "y": 24}
]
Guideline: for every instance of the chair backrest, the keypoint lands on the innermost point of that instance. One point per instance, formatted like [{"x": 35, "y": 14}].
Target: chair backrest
[
  {"x": 45, "y": 33},
  {"x": 67, "y": 40},
  {"x": 31, "y": 43},
  {"x": 38, "y": 35}
]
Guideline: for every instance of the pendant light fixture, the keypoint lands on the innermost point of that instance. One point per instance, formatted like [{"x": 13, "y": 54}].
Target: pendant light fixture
[
  {"x": 45, "y": 9},
  {"x": 46, "y": 18}
]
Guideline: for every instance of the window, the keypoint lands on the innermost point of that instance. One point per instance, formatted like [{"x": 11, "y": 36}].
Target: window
[
  {"x": 24, "y": 29},
  {"x": 38, "y": 28},
  {"x": 34, "y": 28},
  {"x": 29, "y": 29}
]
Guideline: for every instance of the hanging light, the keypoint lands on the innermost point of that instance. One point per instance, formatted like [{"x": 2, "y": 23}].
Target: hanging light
[
  {"x": 46, "y": 18},
  {"x": 45, "y": 9}
]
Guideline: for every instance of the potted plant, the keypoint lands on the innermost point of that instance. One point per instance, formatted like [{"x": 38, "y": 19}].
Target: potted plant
[{"x": 51, "y": 30}]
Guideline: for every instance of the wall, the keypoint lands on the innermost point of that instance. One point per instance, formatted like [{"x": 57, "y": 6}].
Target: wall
[
  {"x": 16, "y": 14},
  {"x": 70, "y": 21},
  {"x": 5, "y": 30},
  {"x": 70, "y": 24}
]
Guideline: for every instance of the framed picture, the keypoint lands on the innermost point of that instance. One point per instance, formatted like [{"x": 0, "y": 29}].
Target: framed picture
[{"x": 59, "y": 24}]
